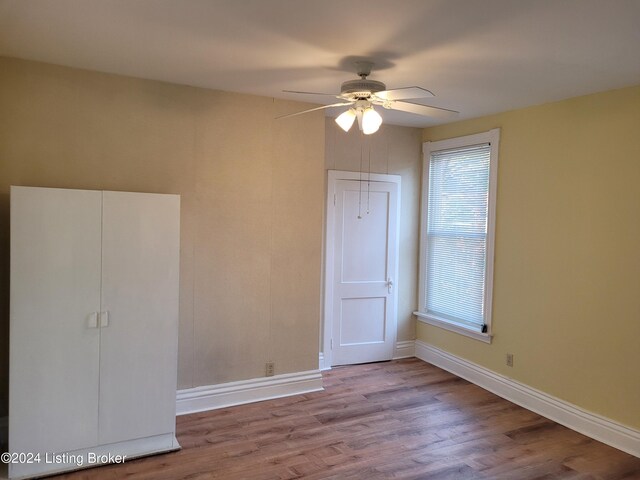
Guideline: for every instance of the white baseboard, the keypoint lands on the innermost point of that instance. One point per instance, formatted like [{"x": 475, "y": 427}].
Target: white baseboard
[
  {"x": 590, "y": 424},
  {"x": 321, "y": 362},
  {"x": 210, "y": 397},
  {"x": 404, "y": 349}
]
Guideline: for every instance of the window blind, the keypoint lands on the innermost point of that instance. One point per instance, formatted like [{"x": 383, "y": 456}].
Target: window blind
[{"x": 457, "y": 207}]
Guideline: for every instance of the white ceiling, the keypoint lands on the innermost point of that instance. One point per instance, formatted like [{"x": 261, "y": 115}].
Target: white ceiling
[{"x": 477, "y": 56}]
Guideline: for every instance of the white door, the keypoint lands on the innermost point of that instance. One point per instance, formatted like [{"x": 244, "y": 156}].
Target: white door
[
  {"x": 55, "y": 292},
  {"x": 140, "y": 268},
  {"x": 362, "y": 269}
]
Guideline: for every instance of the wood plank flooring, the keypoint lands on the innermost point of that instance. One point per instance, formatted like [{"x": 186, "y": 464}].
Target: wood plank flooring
[{"x": 403, "y": 419}]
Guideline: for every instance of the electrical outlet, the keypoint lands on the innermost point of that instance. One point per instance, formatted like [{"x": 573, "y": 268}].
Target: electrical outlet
[
  {"x": 509, "y": 359},
  {"x": 270, "y": 368}
]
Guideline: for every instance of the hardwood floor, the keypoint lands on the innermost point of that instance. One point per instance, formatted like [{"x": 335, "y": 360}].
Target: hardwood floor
[{"x": 403, "y": 419}]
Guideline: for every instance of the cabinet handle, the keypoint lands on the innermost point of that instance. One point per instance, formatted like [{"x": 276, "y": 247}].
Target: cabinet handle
[
  {"x": 104, "y": 319},
  {"x": 92, "y": 322}
]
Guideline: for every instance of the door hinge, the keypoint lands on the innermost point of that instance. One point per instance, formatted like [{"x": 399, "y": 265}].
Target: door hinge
[
  {"x": 332, "y": 344},
  {"x": 334, "y": 199}
]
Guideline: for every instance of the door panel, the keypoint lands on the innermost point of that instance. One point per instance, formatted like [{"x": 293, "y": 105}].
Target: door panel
[
  {"x": 363, "y": 320},
  {"x": 55, "y": 287},
  {"x": 140, "y": 293},
  {"x": 365, "y": 258}
]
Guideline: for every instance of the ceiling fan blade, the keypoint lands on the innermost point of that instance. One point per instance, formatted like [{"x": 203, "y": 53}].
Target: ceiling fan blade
[
  {"x": 314, "y": 109},
  {"x": 424, "y": 110},
  {"x": 310, "y": 93},
  {"x": 404, "y": 93}
]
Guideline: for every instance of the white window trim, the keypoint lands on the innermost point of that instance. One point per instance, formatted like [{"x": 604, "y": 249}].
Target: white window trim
[{"x": 492, "y": 137}]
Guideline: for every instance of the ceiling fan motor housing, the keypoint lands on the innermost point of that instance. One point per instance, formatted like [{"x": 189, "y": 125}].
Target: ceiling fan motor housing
[{"x": 361, "y": 89}]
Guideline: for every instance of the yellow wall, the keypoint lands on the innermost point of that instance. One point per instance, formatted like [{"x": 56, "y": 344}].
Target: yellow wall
[
  {"x": 397, "y": 151},
  {"x": 567, "y": 259},
  {"x": 251, "y": 202}
]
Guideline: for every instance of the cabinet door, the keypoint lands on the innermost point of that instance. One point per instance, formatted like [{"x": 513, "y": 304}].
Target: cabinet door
[
  {"x": 138, "y": 352},
  {"x": 55, "y": 287}
]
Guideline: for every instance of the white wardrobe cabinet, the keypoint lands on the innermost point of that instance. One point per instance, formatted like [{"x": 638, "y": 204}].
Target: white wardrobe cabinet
[{"x": 94, "y": 326}]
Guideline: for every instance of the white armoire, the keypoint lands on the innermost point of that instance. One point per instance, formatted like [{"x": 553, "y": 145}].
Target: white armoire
[{"x": 94, "y": 326}]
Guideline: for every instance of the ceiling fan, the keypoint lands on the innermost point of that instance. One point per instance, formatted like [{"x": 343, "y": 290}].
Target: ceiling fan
[{"x": 362, "y": 94}]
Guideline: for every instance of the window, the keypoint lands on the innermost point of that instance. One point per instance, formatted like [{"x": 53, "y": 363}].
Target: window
[{"x": 456, "y": 241}]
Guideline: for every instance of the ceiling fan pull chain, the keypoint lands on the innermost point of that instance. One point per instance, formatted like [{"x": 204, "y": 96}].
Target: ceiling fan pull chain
[
  {"x": 369, "y": 179},
  {"x": 360, "y": 182},
  {"x": 387, "y": 144}
]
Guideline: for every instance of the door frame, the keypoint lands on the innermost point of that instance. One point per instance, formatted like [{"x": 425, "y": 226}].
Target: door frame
[{"x": 329, "y": 254}]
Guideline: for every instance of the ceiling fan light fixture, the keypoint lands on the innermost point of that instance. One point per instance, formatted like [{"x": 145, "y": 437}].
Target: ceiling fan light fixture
[
  {"x": 362, "y": 94},
  {"x": 345, "y": 119},
  {"x": 371, "y": 121}
]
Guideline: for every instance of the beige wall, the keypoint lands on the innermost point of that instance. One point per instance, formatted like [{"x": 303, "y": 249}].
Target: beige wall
[
  {"x": 567, "y": 258},
  {"x": 394, "y": 150},
  {"x": 251, "y": 202}
]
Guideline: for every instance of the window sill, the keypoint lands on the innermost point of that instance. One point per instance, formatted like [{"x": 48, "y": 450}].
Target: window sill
[{"x": 453, "y": 327}]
